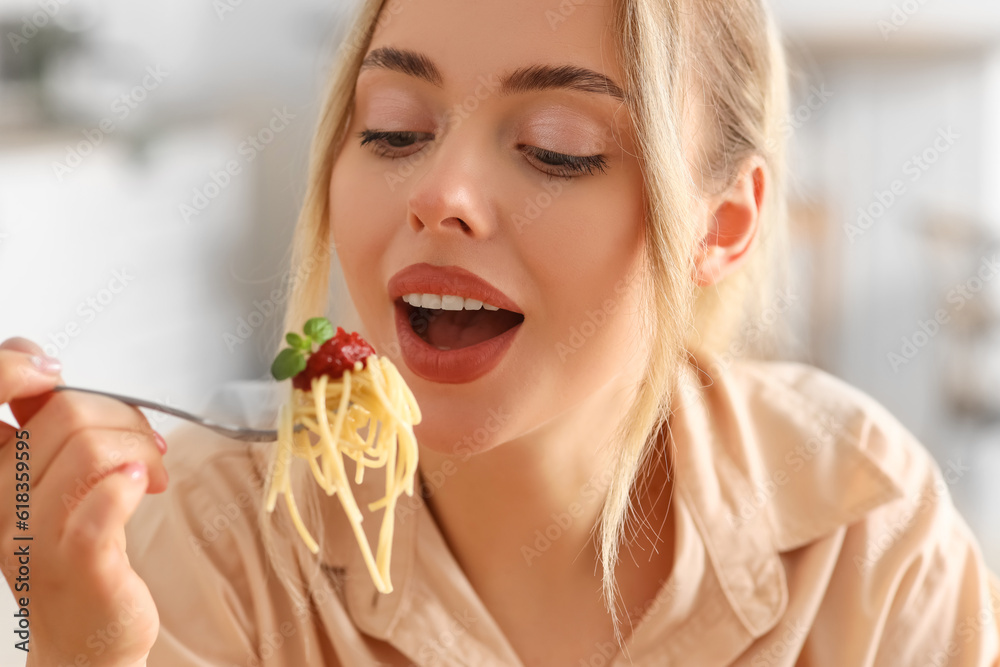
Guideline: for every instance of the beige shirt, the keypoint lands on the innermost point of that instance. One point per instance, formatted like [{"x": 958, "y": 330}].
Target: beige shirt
[{"x": 811, "y": 529}]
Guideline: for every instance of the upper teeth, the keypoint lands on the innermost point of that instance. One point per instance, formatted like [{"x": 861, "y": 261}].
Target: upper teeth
[{"x": 445, "y": 302}]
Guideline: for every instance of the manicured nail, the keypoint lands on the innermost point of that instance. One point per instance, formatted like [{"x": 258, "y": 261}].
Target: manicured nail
[
  {"x": 47, "y": 364},
  {"x": 136, "y": 470},
  {"x": 161, "y": 443}
]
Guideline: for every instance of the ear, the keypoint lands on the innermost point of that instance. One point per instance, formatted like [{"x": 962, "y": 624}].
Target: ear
[{"x": 732, "y": 225}]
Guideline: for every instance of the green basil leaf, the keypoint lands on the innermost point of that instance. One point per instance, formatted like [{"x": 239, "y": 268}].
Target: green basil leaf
[
  {"x": 319, "y": 329},
  {"x": 288, "y": 363},
  {"x": 297, "y": 342}
]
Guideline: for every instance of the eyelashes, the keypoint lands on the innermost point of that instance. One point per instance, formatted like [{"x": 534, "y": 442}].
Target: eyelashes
[
  {"x": 576, "y": 164},
  {"x": 392, "y": 144},
  {"x": 399, "y": 144}
]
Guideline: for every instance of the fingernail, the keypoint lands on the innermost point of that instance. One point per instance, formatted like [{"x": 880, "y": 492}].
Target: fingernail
[
  {"x": 47, "y": 364},
  {"x": 161, "y": 443},
  {"x": 136, "y": 470}
]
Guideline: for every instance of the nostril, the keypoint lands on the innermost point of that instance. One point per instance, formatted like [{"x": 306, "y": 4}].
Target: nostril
[{"x": 449, "y": 224}]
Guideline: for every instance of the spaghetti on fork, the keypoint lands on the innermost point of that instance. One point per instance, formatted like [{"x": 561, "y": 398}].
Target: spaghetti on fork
[{"x": 359, "y": 408}]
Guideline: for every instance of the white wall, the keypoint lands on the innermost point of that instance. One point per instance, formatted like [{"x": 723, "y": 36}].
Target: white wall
[
  {"x": 163, "y": 336},
  {"x": 885, "y": 108}
]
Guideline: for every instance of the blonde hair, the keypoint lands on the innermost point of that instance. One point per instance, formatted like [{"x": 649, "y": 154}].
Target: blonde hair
[{"x": 726, "y": 51}]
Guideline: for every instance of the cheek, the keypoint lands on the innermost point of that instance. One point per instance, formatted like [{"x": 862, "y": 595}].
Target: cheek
[
  {"x": 363, "y": 214},
  {"x": 361, "y": 206},
  {"x": 582, "y": 251}
]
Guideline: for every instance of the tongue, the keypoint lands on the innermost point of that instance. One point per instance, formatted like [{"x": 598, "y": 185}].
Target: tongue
[{"x": 454, "y": 329}]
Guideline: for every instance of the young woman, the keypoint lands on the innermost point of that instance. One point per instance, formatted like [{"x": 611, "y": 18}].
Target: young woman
[{"x": 601, "y": 482}]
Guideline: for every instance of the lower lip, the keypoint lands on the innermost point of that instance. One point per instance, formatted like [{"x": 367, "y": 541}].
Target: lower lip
[{"x": 449, "y": 366}]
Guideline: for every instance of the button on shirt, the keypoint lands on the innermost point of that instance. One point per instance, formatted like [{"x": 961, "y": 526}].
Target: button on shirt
[{"x": 811, "y": 529}]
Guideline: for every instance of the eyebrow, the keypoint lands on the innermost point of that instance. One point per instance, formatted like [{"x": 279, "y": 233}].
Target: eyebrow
[
  {"x": 521, "y": 80},
  {"x": 405, "y": 62}
]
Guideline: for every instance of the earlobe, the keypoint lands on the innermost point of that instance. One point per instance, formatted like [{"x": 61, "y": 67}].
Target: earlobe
[{"x": 732, "y": 226}]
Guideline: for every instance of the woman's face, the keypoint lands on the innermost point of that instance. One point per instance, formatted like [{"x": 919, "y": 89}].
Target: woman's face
[{"x": 489, "y": 158}]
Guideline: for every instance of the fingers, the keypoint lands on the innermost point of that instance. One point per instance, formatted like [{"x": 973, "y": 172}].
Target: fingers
[
  {"x": 29, "y": 380},
  {"x": 7, "y": 434},
  {"x": 21, "y": 344},
  {"x": 90, "y": 460},
  {"x": 67, "y": 413},
  {"x": 89, "y": 457},
  {"x": 25, "y": 372},
  {"x": 91, "y": 533}
]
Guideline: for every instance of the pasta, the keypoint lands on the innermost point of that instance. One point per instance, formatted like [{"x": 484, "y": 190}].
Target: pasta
[{"x": 366, "y": 415}]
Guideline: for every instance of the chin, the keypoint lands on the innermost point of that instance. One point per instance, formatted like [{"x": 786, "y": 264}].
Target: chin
[{"x": 455, "y": 421}]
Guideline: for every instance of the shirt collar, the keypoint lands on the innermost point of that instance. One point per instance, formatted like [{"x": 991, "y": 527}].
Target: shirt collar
[
  {"x": 770, "y": 457},
  {"x": 432, "y": 614}
]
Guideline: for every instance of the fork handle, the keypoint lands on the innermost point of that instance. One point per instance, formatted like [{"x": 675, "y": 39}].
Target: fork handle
[{"x": 246, "y": 434}]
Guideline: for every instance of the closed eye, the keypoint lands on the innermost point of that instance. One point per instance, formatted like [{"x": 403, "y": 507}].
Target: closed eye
[
  {"x": 562, "y": 165},
  {"x": 394, "y": 144}
]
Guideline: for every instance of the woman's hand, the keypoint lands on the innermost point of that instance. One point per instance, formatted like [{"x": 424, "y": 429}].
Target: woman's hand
[{"x": 89, "y": 460}]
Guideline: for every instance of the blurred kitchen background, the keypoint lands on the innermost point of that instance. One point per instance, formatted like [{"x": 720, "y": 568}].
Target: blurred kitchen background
[{"x": 152, "y": 159}]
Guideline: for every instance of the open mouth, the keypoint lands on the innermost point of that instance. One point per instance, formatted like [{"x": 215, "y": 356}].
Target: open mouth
[{"x": 450, "y": 322}]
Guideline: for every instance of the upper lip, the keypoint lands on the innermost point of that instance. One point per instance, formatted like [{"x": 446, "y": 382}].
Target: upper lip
[{"x": 426, "y": 278}]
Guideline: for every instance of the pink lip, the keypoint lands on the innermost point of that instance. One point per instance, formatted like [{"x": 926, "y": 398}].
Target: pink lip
[
  {"x": 428, "y": 279},
  {"x": 448, "y": 366}
]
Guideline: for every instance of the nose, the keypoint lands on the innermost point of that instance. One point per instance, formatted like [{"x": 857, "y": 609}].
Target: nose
[{"x": 451, "y": 195}]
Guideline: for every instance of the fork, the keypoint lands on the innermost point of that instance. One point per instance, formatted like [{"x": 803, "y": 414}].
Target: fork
[{"x": 235, "y": 432}]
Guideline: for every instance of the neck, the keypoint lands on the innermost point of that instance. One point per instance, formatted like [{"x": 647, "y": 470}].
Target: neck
[{"x": 530, "y": 505}]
